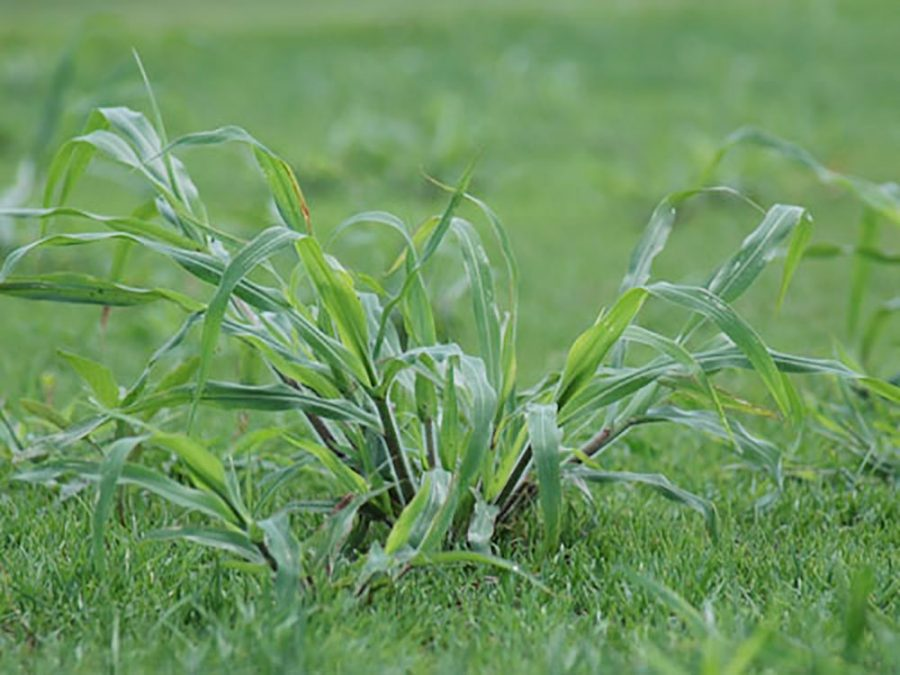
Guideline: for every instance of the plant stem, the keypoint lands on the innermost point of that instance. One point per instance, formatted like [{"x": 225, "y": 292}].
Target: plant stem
[
  {"x": 399, "y": 466},
  {"x": 517, "y": 491}
]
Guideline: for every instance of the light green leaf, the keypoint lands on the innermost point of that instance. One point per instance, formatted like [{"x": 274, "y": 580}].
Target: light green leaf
[
  {"x": 591, "y": 346},
  {"x": 110, "y": 472},
  {"x": 545, "y": 439},
  {"x": 97, "y": 376}
]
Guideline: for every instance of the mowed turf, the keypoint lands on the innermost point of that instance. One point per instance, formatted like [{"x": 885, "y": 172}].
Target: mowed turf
[{"x": 581, "y": 118}]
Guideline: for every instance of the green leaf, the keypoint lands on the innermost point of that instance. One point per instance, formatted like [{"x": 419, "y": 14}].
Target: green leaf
[
  {"x": 225, "y": 540},
  {"x": 282, "y": 182},
  {"x": 418, "y": 517},
  {"x": 285, "y": 550},
  {"x": 110, "y": 472},
  {"x": 659, "y": 227},
  {"x": 740, "y": 271},
  {"x": 437, "y": 229},
  {"x": 717, "y": 310},
  {"x": 591, "y": 346},
  {"x": 449, "y": 435},
  {"x": 139, "y": 476},
  {"x": 879, "y": 197},
  {"x": 76, "y": 288},
  {"x": 471, "y": 378},
  {"x": 545, "y": 439},
  {"x": 342, "y": 302},
  {"x": 348, "y": 480},
  {"x": 484, "y": 307},
  {"x": 97, "y": 376},
  {"x": 481, "y": 527},
  {"x": 206, "y": 469},
  {"x": 125, "y": 224},
  {"x": 265, "y": 244},
  {"x": 796, "y": 252},
  {"x": 868, "y": 232},
  {"x": 875, "y": 326}
]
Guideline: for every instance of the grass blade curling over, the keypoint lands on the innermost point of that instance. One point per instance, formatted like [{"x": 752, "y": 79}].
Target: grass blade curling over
[{"x": 420, "y": 445}]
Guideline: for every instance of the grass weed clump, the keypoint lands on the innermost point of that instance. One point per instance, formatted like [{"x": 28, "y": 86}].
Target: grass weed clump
[{"x": 401, "y": 446}]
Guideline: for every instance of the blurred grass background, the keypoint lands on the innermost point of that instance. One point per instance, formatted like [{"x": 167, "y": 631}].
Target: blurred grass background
[{"x": 582, "y": 115}]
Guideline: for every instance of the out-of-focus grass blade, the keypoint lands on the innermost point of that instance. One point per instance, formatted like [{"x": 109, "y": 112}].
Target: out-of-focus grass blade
[
  {"x": 97, "y": 376},
  {"x": 167, "y": 347},
  {"x": 44, "y": 412},
  {"x": 659, "y": 483},
  {"x": 481, "y": 527},
  {"x": 862, "y": 584},
  {"x": 678, "y": 353},
  {"x": 881, "y": 198},
  {"x": 602, "y": 391},
  {"x": 285, "y": 550},
  {"x": 127, "y": 224},
  {"x": 675, "y": 602},
  {"x": 762, "y": 452},
  {"x": 71, "y": 287},
  {"x": 591, "y": 346},
  {"x": 110, "y": 471},
  {"x": 475, "y": 558},
  {"x": 69, "y": 163},
  {"x": 417, "y": 312},
  {"x": 449, "y": 436},
  {"x": 717, "y": 310},
  {"x": 545, "y": 438},
  {"x": 232, "y": 541},
  {"x": 206, "y": 469},
  {"x": 868, "y": 231},
  {"x": 658, "y": 229},
  {"x": 875, "y": 327},
  {"x": 435, "y": 230},
  {"x": 885, "y": 389}
]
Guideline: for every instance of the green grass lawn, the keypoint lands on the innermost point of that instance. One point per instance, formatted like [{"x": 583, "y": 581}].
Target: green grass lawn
[{"x": 582, "y": 116}]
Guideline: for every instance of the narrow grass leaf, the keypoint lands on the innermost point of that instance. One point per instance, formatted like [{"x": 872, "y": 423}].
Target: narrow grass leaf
[
  {"x": 545, "y": 439},
  {"x": 110, "y": 472},
  {"x": 231, "y": 541},
  {"x": 713, "y": 307},
  {"x": 261, "y": 248},
  {"x": 591, "y": 346}
]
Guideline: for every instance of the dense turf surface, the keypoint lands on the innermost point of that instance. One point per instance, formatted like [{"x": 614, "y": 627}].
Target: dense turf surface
[{"x": 583, "y": 118}]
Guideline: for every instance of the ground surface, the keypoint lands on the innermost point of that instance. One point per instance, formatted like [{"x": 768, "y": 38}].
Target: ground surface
[{"x": 583, "y": 117}]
